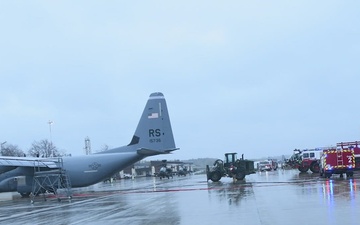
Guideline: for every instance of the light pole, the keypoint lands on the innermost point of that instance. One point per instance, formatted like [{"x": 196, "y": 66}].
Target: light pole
[{"x": 51, "y": 148}]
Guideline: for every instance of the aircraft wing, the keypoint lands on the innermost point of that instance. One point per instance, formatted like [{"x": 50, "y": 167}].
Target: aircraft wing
[
  {"x": 29, "y": 162},
  {"x": 150, "y": 152}
]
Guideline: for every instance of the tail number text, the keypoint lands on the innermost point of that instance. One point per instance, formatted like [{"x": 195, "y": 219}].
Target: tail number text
[{"x": 154, "y": 135}]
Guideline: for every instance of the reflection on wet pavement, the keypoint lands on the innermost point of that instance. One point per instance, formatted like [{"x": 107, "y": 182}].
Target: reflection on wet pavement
[{"x": 275, "y": 197}]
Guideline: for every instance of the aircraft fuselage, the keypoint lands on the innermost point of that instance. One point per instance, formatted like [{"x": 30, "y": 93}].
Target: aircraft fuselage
[
  {"x": 88, "y": 170},
  {"x": 153, "y": 136},
  {"x": 82, "y": 170}
]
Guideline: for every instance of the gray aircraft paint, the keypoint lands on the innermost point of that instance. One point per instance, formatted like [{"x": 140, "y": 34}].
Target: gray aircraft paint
[{"x": 152, "y": 136}]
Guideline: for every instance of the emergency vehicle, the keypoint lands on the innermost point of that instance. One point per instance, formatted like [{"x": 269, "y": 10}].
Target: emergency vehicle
[
  {"x": 337, "y": 161},
  {"x": 309, "y": 159},
  {"x": 267, "y": 165},
  {"x": 355, "y": 145}
]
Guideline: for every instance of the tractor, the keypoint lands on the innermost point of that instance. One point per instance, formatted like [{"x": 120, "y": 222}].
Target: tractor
[{"x": 230, "y": 167}]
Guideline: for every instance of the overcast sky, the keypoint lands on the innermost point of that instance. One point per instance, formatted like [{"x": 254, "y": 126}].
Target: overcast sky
[{"x": 255, "y": 77}]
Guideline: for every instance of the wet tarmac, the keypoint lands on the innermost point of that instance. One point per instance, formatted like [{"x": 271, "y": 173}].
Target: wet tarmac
[{"x": 276, "y": 198}]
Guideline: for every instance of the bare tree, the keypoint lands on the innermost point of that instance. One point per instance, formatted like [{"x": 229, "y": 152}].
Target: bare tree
[
  {"x": 44, "y": 148},
  {"x": 11, "y": 150}
]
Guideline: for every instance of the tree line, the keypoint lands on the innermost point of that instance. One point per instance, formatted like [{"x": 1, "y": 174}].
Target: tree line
[{"x": 43, "y": 149}]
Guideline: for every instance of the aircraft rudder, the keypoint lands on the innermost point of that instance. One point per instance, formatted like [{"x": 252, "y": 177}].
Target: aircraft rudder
[{"x": 154, "y": 130}]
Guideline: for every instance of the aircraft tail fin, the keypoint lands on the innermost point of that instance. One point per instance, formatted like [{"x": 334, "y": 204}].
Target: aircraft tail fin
[{"x": 153, "y": 134}]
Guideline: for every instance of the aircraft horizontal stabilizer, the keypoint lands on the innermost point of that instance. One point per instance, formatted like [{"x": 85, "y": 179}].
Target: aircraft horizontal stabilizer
[{"x": 150, "y": 152}]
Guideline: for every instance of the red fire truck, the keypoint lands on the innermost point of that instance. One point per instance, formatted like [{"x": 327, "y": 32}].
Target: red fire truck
[
  {"x": 355, "y": 145},
  {"x": 309, "y": 159},
  {"x": 337, "y": 161}
]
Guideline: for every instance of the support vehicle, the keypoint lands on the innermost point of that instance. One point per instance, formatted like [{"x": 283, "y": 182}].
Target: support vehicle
[
  {"x": 306, "y": 159},
  {"x": 337, "y": 161},
  {"x": 267, "y": 165},
  {"x": 355, "y": 145},
  {"x": 230, "y": 167},
  {"x": 264, "y": 166}
]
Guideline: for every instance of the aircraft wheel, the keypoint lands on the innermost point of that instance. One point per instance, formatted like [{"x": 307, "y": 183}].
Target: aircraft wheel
[{"x": 215, "y": 176}]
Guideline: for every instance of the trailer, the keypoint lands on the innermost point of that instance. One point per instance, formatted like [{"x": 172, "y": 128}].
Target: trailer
[{"x": 337, "y": 161}]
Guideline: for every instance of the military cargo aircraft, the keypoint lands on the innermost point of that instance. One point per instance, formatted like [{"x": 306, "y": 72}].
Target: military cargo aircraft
[{"x": 153, "y": 136}]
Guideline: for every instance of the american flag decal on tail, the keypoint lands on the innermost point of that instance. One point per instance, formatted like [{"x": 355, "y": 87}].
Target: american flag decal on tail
[{"x": 153, "y": 115}]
